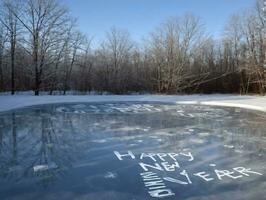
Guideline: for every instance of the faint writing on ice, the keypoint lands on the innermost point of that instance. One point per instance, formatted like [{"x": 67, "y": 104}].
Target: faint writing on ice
[{"x": 153, "y": 164}]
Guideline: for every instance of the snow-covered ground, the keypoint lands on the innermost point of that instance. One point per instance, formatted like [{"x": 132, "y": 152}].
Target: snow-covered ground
[{"x": 8, "y": 102}]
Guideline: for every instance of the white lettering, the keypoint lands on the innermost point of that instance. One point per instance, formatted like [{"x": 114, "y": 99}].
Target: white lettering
[
  {"x": 161, "y": 193},
  {"x": 155, "y": 166},
  {"x": 188, "y": 154},
  {"x": 148, "y": 155},
  {"x": 120, "y": 156},
  {"x": 221, "y": 173},
  {"x": 204, "y": 176},
  {"x": 170, "y": 167},
  {"x": 246, "y": 171}
]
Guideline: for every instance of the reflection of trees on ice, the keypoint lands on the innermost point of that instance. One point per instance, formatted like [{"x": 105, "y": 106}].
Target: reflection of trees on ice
[
  {"x": 38, "y": 149},
  {"x": 8, "y": 147}
]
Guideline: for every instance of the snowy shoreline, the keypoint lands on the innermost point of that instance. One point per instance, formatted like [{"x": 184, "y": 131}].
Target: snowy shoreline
[{"x": 258, "y": 103}]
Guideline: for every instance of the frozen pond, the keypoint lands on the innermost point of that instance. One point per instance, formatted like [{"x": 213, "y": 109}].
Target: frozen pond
[{"x": 132, "y": 151}]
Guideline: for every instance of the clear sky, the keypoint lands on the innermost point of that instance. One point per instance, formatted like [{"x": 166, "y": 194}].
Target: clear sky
[{"x": 140, "y": 17}]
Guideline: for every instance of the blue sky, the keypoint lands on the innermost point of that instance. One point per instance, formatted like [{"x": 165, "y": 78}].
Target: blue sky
[{"x": 140, "y": 17}]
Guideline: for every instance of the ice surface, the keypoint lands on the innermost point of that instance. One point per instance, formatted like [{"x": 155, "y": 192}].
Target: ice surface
[
  {"x": 8, "y": 102},
  {"x": 56, "y": 136}
]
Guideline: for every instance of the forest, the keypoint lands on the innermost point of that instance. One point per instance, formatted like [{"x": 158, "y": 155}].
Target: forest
[{"x": 42, "y": 49}]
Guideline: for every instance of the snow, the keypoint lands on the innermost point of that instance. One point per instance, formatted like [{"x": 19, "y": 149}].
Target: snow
[
  {"x": 110, "y": 175},
  {"x": 8, "y": 102},
  {"x": 39, "y": 168}
]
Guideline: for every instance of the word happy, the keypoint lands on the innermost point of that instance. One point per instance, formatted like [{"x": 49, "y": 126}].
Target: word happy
[{"x": 170, "y": 163}]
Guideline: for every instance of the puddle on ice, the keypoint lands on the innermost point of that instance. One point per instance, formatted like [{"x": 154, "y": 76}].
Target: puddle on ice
[
  {"x": 40, "y": 168},
  {"x": 204, "y": 134},
  {"x": 132, "y": 150},
  {"x": 109, "y": 175},
  {"x": 229, "y": 146}
]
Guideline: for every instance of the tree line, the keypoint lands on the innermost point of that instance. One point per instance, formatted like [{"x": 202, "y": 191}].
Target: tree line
[{"x": 41, "y": 49}]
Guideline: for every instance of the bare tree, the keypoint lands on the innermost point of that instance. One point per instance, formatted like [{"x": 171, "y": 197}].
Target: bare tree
[
  {"x": 74, "y": 45},
  {"x": 2, "y": 47},
  {"x": 172, "y": 47},
  {"x": 43, "y": 20},
  {"x": 116, "y": 51},
  {"x": 84, "y": 72},
  {"x": 10, "y": 22}
]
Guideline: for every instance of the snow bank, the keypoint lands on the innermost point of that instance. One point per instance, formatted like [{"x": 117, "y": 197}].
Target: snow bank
[{"x": 8, "y": 102}]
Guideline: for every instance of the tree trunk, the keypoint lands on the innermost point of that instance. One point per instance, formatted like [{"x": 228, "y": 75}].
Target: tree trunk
[
  {"x": 36, "y": 92},
  {"x": 35, "y": 62}
]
